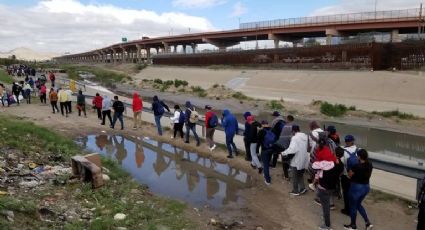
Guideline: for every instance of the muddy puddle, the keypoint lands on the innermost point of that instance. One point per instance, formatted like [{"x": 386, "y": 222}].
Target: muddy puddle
[{"x": 173, "y": 172}]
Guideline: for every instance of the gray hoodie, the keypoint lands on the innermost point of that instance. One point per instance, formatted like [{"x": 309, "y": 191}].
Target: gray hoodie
[{"x": 106, "y": 103}]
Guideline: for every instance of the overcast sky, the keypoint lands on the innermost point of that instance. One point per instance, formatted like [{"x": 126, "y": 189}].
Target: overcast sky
[{"x": 79, "y": 25}]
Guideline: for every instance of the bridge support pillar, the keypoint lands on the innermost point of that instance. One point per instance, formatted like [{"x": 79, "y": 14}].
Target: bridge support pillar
[
  {"x": 175, "y": 49},
  {"x": 139, "y": 53},
  {"x": 330, "y": 33},
  {"x": 166, "y": 47},
  {"x": 148, "y": 54},
  {"x": 395, "y": 36},
  {"x": 184, "y": 48},
  {"x": 194, "y": 48},
  {"x": 114, "y": 56}
]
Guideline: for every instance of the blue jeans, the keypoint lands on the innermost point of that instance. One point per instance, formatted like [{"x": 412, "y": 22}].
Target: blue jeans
[
  {"x": 193, "y": 128},
  {"x": 265, "y": 157},
  {"x": 356, "y": 195},
  {"x": 158, "y": 124},
  {"x": 231, "y": 147},
  {"x": 118, "y": 116}
]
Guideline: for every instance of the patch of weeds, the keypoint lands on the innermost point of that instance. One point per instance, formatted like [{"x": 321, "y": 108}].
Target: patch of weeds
[
  {"x": 199, "y": 91},
  {"x": 240, "y": 96},
  {"x": 178, "y": 83},
  {"x": 215, "y": 86},
  {"x": 275, "y": 105},
  {"x": 25, "y": 206},
  {"x": 182, "y": 90},
  {"x": 25, "y": 136},
  {"x": 352, "y": 108},
  {"x": 157, "y": 81},
  {"x": 396, "y": 113},
  {"x": 5, "y": 78},
  {"x": 141, "y": 66},
  {"x": 335, "y": 110}
]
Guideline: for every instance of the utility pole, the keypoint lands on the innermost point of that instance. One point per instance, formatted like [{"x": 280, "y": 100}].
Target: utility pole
[{"x": 420, "y": 22}]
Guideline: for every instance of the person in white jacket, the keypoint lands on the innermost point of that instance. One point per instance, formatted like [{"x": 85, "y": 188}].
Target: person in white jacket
[
  {"x": 177, "y": 122},
  {"x": 106, "y": 110},
  {"x": 300, "y": 159}
]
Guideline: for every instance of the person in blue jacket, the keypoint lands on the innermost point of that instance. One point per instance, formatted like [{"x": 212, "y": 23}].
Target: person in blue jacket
[
  {"x": 230, "y": 125},
  {"x": 158, "y": 108}
]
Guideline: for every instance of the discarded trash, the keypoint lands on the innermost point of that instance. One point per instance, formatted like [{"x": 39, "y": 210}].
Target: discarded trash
[
  {"x": 119, "y": 216},
  {"x": 87, "y": 171},
  {"x": 103, "y": 131},
  {"x": 32, "y": 165},
  {"x": 105, "y": 177},
  {"x": 2, "y": 193},
  {"x": 146, "y": 138},
  {"x": 29, "y": 184},
  {"x": 213, "y": 221},
  {"x": 8, "y": 214},
  {"x": 38, "y": 170}
]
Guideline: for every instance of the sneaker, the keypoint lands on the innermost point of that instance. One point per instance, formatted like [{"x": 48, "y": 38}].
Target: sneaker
[
  {"x": 369, "y": 226},
  {"x": 317, "y": 201},
  {"x": 229, "y": 156},
  {"x": 303, "y": 191},
  {"x": 267, "y": 183},
  {"x": 312, "y": 187},
  {"x": 294, "y": 193},
  {"x": 324, "y": 227},
  {"x": 333, "y": 207},
  {"x": 213, "y": 147},
  {"x": 349, "y": 227},
  {"x": 170, "y": 137}
]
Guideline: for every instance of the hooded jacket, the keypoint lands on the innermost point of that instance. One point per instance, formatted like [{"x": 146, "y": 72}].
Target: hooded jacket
[
  {"x": 81, "y": 99},
  {"x": 155, "y": 106},
  {"x": 298, "y": 147},
  {"x": 97, "y": 101},
  {"x": 247, "y": 126},
  {"x": 188, "y": 112},
  {"x": 137, "y": 103},
  {"x": 229, "y": 123},
  {"x": 106, "y": 103}
]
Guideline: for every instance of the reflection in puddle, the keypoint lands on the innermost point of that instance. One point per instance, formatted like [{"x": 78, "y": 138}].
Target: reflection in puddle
[{"x": 171, "y": 171}]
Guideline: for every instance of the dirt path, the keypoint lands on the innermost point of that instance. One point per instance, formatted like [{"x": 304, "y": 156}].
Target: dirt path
[{"x": 270, "y": 207}]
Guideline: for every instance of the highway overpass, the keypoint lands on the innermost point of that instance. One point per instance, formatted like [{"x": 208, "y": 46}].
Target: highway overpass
[{"x": 409, "y": 21}]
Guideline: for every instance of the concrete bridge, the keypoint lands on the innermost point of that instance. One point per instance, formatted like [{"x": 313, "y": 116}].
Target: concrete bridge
[{"x": 409, "y": 21}]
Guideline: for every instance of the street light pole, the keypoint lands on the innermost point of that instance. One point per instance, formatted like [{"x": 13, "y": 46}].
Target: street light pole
[{"x": 376, "y": 4}]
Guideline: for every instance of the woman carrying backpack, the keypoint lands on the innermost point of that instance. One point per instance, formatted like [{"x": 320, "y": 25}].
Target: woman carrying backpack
[
  {"x": 211, "y": 121},
  {"x": 178, "y": 121},
  {"x": 359, "y": 175}
]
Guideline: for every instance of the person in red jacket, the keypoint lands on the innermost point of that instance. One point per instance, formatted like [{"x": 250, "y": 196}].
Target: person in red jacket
[
  {"x": 211, "y": 121},
  {"x": 52, "y": 78},
  {"x": 97, "y": 103},
  {"x": 137, "y": 110}
]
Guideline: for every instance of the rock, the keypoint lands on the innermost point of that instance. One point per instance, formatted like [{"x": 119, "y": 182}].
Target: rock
[
  {"x": 105, "y": 177},
  {"x": 119, "y": 216},
  {"x": 29, "y": 184},
  {"x": 213, "y": 222},
  {"x": 259, "y": 228},
  {"x": 8, "y": 214},
  {"x": 121, "y": 228}
]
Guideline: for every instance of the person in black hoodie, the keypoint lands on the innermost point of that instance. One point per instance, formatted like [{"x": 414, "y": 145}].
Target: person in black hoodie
[
  {"x": 81, "y": 103},
  {"x": 245, "y": 137},
  {"x": 189, "y": 125},
  {"x": 158, "y": 108},
  {"x": 252, "y": 139}
]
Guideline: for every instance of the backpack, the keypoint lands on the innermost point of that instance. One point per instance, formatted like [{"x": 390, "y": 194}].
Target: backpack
[
  {"x": 352, "y": 159},
  {"x": 194, "y": 116},
  {"x": 120, "y": 107},
  {"x": 269, "y": 139},
  {"x": 182, "y": 117},
  {"x": 213, "y": 122},
  {"x": 160, "y": 108},
  {"x": 322, "y": 135}
]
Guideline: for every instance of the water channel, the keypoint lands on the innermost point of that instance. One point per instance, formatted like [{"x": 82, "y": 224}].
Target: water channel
[{"x": 172, "y": 172}]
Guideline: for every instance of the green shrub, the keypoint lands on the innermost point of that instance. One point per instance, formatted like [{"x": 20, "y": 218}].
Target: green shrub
[
  {"x": 157, "y": 81},
  {"x": 352, "y": 108},
  {"x": 199, "y": 91},
  {"x": 169, "y": 82},
  {"x": 178, "y": 83},
  {"x": 275, "y": 105},
  {"x": 240, "y": 96},
  {"x": 396, "y": 113},
  {"x": 141, "y": 66},
  {"x": 335, "y": 110}
]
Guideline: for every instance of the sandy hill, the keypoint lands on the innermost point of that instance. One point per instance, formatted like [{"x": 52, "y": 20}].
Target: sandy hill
[{"x": 28, "y": 54}]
